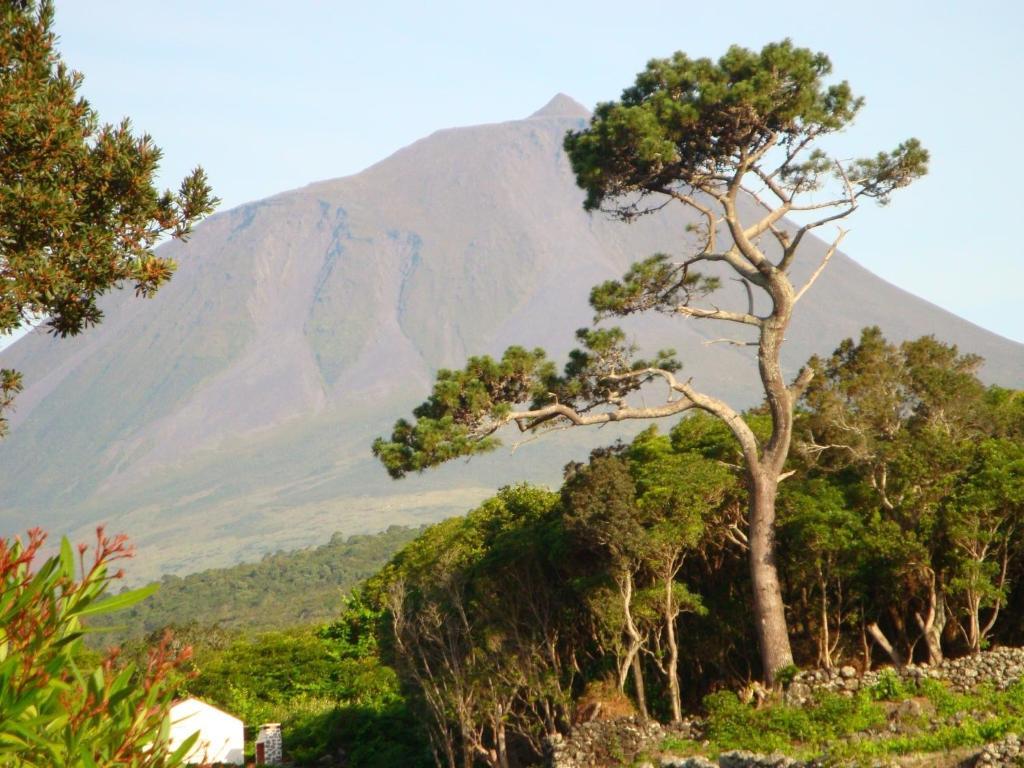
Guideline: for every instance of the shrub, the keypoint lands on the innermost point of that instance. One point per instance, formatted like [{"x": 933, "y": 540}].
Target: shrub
[
  {"x": 57, "y": 708},
  {"x": 888, "y": 688},
  {"x": 780, "y": 727}
]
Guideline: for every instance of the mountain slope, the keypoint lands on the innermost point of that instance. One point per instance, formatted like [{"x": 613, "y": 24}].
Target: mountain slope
[{"x": 232, "y": 414}]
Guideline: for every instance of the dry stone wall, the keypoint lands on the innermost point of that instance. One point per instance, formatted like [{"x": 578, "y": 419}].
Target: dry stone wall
[
  {"x": 629, "y": 741},
  {"x": 604, "y": 742},
  {"x": 1002, "y": 667}
]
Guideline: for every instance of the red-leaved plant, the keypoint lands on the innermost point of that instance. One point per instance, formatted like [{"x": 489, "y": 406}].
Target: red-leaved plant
[{"x": 53, "y": 709}]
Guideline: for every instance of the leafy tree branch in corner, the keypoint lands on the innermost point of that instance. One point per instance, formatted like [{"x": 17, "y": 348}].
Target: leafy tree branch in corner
[{"x": 79, "y": 211}]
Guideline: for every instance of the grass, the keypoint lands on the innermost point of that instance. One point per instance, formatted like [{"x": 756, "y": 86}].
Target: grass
[{"x": 863, "y": 728}]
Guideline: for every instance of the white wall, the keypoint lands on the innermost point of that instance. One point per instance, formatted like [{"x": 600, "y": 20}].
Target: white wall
[{"x": 221, "y": 736}]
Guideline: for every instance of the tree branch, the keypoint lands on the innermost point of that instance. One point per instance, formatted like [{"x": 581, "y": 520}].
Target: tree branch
[
  {"x": 747, "y": 249},
  {"x": 851, "y": 205},
  {"x": 800, "y": 383},
  {"x": 768, "y": 221},
  {"x": 772, "y": 184},
  {"x": 719, "y": 314},
  {"x": 750, "y": 294},
  {"x": 733, "y": 342},
  {"x": 824, "y": 262}
]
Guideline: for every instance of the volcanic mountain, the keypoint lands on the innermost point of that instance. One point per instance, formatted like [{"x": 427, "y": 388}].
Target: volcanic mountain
[{"x": 232, "y": 414}]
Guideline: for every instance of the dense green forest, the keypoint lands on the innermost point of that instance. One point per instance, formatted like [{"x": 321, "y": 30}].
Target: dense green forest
[
  {"x": 485, "y": 634},
  {"x": 283, "y": 589}
]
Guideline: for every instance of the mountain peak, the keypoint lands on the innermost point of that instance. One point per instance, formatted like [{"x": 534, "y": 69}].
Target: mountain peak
[{"x": 562, "y": 106}]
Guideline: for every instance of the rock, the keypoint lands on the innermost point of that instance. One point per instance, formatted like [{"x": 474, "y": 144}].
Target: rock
[
  {"x": 848, "y": 672},
  {"x": 798, "y": 692},
  {"x": 911, "y": 708},
  {"x": 688, "y": 762}
]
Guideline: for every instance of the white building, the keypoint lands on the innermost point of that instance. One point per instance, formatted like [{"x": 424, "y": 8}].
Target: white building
[{"x": 221, "y": 736}]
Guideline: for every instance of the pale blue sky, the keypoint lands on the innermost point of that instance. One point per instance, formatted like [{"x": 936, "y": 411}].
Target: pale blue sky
[{"x": 268, "y": 96}]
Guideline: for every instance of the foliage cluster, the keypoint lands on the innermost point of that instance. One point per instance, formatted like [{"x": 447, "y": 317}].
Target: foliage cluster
[
  {"x": 79, "y": 211},
  {"x": 912, "y": 484},
  {"x": 59, "y": 706},
  {"x": 325, "y": 684}
]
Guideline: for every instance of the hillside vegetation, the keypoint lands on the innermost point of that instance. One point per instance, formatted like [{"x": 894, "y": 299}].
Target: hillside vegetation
[
  {"x": 285, "y": 589},
  {"x": 626, "y": 591}
]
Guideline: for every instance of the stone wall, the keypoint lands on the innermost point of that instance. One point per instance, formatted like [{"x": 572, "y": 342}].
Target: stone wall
[
  {"x": 629, "y": 741},
  {"x": 615, "y": 742},
  {"x": 1001, "y": 666}
]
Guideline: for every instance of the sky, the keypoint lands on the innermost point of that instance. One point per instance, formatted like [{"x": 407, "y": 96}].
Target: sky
[{"x": 269, "y": 96}]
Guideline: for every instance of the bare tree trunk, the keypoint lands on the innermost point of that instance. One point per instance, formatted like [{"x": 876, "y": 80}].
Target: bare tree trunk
[
  {"x": 501, "y": 743},
  {"x": 896, "y": 615},
  {"x": 883, "y": 642},
  {"x": 983, "y": 631},
  {"x": 672, "y": 671},
  {"x": 824, "y": 641},
  {"x": 638, "y": 683},
  {"x": 442, "y": 744},
  {"x": 769, "y": 610},
  {"x": 865, "y": 647},
  {"x": 932, "y": 624},
  {"x": 974, "y": 624},
  {"x": 635, "y": 640}
]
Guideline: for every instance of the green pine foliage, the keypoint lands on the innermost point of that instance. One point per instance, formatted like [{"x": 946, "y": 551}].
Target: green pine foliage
[{"x": 689, "y": 131}]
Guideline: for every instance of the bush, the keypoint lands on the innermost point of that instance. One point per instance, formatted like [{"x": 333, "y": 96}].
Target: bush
[
  {"x": 888, "y": 688},
  {"x": 781, "y": 727},
  {"x": 56, "y": 706},
  {"x": 365, "y": 737}
]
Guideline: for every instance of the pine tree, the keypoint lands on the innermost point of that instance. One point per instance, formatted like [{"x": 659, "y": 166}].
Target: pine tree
[{"x": 720, "y": 138}]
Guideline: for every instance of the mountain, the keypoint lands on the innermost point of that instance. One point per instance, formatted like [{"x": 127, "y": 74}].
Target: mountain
[{"x": 231, "y": 415}]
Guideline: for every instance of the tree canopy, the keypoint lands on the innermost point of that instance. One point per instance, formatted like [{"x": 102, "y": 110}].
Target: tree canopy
[{"x": 79, "y": 210}]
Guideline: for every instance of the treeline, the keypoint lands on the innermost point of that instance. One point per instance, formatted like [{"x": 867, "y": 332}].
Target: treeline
[
  {"x": 282, "y": 590},
  {"x": 899, "y": 520}
]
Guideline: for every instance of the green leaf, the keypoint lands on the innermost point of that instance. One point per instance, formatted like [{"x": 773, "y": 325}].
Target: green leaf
[
  {"x": 120, "y": 602},
  {"x": 178, "y": 756},
  {"x": 67, "y": 558}
]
